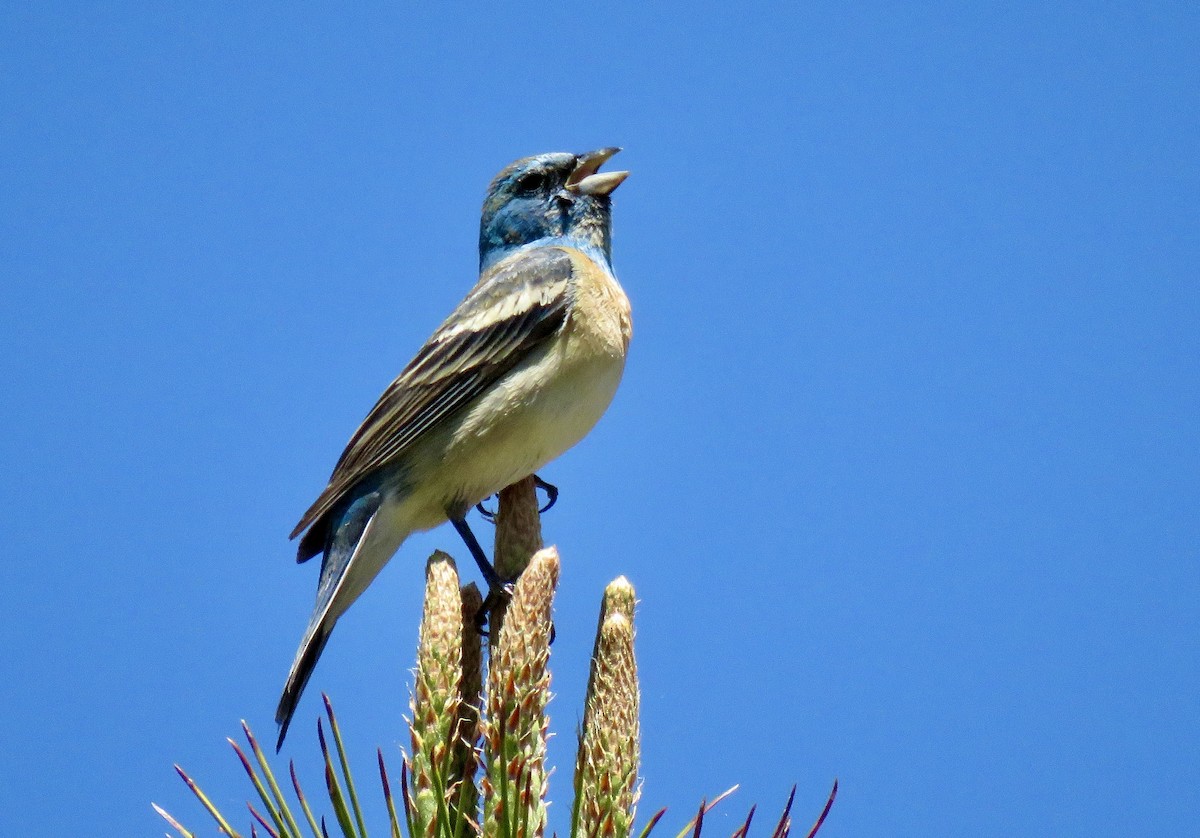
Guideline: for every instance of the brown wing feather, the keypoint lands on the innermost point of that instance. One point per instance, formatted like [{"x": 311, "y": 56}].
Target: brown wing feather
[{"x": 516, "y": 306}]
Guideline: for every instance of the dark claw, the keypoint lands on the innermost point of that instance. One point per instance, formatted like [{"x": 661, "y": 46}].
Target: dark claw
[
  {"x": 551, "y": 498},
  {"x": 551, "y": 493},
  {"x": 485, "y": 610},
  {"x": 488, "y": 515}
]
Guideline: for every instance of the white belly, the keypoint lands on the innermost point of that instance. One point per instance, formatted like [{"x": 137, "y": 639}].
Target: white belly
[{"x": 538, "y": 411}]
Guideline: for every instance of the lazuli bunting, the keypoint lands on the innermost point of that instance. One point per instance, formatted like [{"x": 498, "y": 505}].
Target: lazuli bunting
[{"x": 517, "y": 374}]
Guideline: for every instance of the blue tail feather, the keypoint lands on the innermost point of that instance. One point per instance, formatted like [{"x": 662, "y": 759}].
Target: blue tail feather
[{"x": 340, "y": 548}]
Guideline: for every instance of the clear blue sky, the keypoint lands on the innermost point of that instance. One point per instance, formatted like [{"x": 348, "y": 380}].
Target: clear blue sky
[{"x": 906, "y": 462}]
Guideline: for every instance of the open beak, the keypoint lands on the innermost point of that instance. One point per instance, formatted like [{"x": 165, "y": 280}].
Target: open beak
[{"x": 586, "y": 180}]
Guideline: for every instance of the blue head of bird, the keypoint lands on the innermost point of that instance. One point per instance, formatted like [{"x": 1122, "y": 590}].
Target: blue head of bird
[{"x": 547, "y": 198}]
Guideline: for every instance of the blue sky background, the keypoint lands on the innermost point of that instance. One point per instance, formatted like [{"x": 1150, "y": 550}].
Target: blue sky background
[{"x": 905, "y": 466}]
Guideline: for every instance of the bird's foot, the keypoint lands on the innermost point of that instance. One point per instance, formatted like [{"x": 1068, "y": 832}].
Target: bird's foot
[
  {"x": 551, "y": 494},
  {"x": 494, "y": 598},
  {"x": 551, "y": 498}
]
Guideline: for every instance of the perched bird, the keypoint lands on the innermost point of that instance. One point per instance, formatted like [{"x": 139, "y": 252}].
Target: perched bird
[{"x": 518, "y": 373}]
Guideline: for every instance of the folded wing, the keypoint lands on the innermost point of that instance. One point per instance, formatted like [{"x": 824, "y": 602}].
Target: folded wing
[{"x": 512, "y": 310}]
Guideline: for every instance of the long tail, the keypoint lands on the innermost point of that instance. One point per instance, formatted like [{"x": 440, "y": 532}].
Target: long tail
[
  {"x": 302, "y": 668},
  {"x": 343, "y": 578}
]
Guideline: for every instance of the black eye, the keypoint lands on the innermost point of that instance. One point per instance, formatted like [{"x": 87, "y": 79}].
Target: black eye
[{"x": 530, "y": 182}]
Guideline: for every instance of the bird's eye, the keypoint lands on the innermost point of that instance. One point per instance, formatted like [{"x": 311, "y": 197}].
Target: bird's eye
[{"x": 530, "y": 182}]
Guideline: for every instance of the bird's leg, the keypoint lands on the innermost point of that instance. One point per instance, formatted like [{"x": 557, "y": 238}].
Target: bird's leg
[
  {"x": 496, "y": 587},
  {"x": 490, "y": 576},
  {"x": 551, "y": 498}
]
